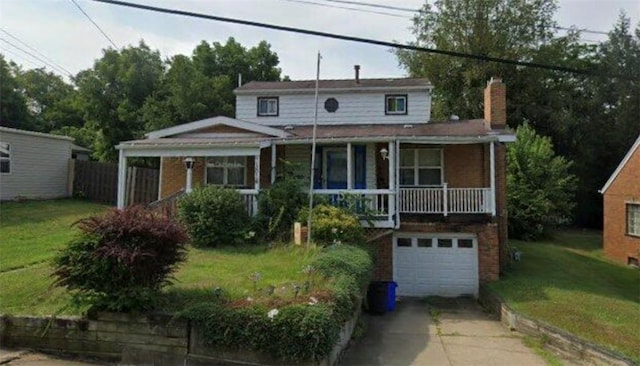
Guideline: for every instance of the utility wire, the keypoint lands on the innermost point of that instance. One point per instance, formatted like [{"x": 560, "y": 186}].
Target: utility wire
[
  {"x": 349, "y": 38},
  {"x": 35, "y": 50},
  {"x": 348, "y": 8},
  {"x": 32, "y": 55},
  {"x": 94, "y": 23},
  {"x": 6, "y": 50}
]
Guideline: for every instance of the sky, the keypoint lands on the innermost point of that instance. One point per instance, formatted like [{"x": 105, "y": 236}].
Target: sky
[{"x": 56, "y": 30}]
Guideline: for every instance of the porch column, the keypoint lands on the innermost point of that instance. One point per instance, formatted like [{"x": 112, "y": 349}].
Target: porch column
[
  {"x": 273, "y": 163},
  {"x": 122, "y": 179},
  {"x": 492, "y": 172},
  {"x": 256, "y": 181},
  {"x": 392, "y": 183},
  {"x": 349, "y": 167},
  {"x": 188, "y": 162}
]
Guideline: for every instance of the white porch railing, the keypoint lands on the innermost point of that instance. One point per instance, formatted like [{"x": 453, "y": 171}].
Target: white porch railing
[
  {"x": 250, "y": 197},
  {"x": 378, "y": 204},
  {"x": 444, "y": 200}
]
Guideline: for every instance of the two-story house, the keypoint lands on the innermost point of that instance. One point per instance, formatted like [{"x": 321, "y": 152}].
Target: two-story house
[{"x": 436, "y": 189}]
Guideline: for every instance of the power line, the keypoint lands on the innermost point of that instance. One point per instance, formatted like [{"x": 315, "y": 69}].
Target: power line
[
  {"x": 94, "y": 23},
  {"x": 32, "y": 55},
  {"x": 5, "y": 50},
  {"x": 362, "y": 3},
  {"x": 347, "y": 8},
  {"x": 35, "y": 50},
  {"x": 348, "y": 38}
]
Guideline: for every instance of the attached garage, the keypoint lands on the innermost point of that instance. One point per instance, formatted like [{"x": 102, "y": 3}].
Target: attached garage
[{"x": 435, "y": 264}]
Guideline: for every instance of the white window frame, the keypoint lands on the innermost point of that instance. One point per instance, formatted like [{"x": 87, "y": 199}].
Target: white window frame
[
  {"x": 633, "y": 218},
  {"x": 396, "y": 96},
  {"x": 416, "y": 167},
  {"x": 7, "y": 158},
  {"x": 275, "y": 113},
  {"x": 225, "y": 171}
]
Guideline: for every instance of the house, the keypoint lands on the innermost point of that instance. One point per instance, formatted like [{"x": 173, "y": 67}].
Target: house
[
  {"x": 34, "y": 165},
  {"x": 437, "y": 189},
  {"x": 622, "y": 210}
]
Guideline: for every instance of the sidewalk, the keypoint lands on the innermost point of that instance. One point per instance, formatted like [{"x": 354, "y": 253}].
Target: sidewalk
[{"x": 13, "y": 357}]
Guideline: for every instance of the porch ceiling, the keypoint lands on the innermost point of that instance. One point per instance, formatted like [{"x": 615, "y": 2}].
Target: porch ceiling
[{"x": 167, "y": 147}]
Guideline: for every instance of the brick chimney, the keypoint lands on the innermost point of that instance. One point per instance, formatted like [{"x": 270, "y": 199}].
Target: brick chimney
[
  {"x": 495, "y": 104},
  {"x": 357, "y": 70}
]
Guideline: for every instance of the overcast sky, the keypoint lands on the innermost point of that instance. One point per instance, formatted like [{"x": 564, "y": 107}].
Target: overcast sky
[{"x": 58, "y": 30}]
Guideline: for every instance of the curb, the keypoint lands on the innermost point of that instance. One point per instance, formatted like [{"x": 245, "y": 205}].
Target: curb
[{"x": 554, "y": 337}]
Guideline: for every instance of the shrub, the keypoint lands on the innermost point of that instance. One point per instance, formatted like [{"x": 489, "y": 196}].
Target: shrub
[
  {"x": 298, "y": 332},
  {"x": 121, "y": 259},
  {"x": 331, "y": 224},
  {"x": 214, "y": 216}
]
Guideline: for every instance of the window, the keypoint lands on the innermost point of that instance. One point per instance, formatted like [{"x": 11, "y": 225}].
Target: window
[
  {"x": 268, "y": 106},
  {"x": 424, "y": 242},
  {"x": 465, "y": 243},
  {"x": 395, "y": 104},
  {"x": 445, "y": 243},
  {"x": 5, "y": 158},
  {"x": 420, "y": 167},
  {"x": 404, "y": 242},
  {"x": 226, "y": 170},
  {"x": 633, "y": 219}
]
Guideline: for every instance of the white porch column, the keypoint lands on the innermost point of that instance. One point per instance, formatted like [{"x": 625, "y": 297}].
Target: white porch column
[
  {"x": 256, "y": 181},
  {"x": 392, "y": 183},
  {"x": 189, "y": 183},
  {"x": 492, "y": 173},
  {"x": 349, "y": 167},
  {"x": 122, "y": 179},
  {"x": 273, "y": 163}
]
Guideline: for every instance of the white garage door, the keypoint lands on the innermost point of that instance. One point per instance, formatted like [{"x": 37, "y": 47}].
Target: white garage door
[{"x": 437, "y": 264}]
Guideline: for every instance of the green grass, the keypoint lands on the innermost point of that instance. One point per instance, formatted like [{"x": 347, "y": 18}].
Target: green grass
[
  {"x": 568, "y": 283},
  {"x": 32, "y": 232}
]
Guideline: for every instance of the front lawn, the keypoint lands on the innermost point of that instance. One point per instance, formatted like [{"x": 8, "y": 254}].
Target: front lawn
[
  {"x": 32, "y": 232},
  {"x": 568, "y": 283}
]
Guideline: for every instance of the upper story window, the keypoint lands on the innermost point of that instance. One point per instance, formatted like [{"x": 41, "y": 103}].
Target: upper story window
[
  {"x": 633, "y": 219},
  {"x": 395, "y": 104},
  {"x": 268, "y": 106},
  {"x": 421, "y": 167},
  {"x": 5, "y": 158},
  {"x": 226, "y": 170}
]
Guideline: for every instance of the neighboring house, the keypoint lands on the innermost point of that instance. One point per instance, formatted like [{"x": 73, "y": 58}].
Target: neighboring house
[
  {"x": 437, "y": 188},
  {"x": 34, "y": 165},
  {"x": 622, "y": 210}
]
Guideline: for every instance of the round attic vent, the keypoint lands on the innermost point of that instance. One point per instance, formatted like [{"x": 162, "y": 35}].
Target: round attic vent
[{"x": 331, "y": 105}]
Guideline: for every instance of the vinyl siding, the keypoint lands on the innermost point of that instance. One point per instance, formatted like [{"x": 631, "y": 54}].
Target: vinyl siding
[
  {"x": 354, "y": 108},
  {"x": 39, "y": 167}
]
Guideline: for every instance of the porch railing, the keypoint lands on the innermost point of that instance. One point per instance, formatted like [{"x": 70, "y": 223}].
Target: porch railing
[
  {"x": 375, "y": 204},
  {"x": 167, "y": 205},
  {"x": 250, "y": 197},
  {"x": 444, "y": 200}
]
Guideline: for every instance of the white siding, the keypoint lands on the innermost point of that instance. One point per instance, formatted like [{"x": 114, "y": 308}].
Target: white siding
[
  {"x": 367, "y": 108},
  {"x": 39, "y": 167}
]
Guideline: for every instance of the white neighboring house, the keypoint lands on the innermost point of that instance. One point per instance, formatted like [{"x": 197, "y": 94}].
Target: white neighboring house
[{"x": 34, "y": 165}]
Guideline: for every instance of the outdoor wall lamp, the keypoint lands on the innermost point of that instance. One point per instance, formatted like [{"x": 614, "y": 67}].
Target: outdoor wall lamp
[
  {"x": 384, "y": 153},
  {"x": 188, "y": 163}
]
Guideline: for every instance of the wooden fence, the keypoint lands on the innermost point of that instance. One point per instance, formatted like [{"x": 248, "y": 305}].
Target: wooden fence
[{"x": 99, "y": 182}]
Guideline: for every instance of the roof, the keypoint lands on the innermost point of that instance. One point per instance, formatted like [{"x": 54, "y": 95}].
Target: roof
[
  {"x": 216, "y": 121},
  {"x": 337, "y": 84},
  {"x": 33, "y": 133},
  {"x": 624, "y": 161}
]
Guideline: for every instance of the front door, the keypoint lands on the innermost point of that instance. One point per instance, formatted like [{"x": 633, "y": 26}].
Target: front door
[{"x": 335, "y": 168}]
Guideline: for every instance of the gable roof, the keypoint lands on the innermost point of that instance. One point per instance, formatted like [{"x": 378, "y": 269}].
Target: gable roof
[
  {"x": 624, "y": 161},
  {"x": 33, "y": 133},
  {"x": 215, "y": 121},
  {"x": 338, "y": 84}
]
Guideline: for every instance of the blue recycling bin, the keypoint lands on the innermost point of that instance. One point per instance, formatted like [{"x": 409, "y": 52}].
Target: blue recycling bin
[{"x": 391, "y": 295}]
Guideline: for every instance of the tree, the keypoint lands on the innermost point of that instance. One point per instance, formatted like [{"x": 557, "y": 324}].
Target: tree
[
  {"x": 13, "y": 104},
  {"x": 113, "y": 92},
  {"x": 540, "y": 188}
]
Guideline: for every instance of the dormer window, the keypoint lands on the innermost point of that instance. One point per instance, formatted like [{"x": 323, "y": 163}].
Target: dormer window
[
  {"x": 267, "y": 106},
  {"x": 395, "y": 104}
]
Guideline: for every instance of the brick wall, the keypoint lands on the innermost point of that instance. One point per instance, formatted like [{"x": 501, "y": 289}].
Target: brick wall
[
  {"x": 625, "y": 188},
  {"x": 463, "y": 166}
]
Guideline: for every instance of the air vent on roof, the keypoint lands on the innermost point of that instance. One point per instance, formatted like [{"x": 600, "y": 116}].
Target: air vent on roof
[
  {"x": 408, "y": 126},
  {"x": 288, "y": 127}
]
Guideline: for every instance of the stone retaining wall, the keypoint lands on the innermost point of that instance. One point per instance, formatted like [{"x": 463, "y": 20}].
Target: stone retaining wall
[
  {"x": 555, "y": 338},
  {"x": 137, "y": 340}
]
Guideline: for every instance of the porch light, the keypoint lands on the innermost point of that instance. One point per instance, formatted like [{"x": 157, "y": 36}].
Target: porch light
[
  {"x": 188, "y": 163},
  {"x": 384, "y": 153}
]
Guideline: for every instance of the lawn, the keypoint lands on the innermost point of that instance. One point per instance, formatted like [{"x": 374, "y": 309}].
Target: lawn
[
  {"x": 32, "y": 232},
  {"x": 568, "y": 283}
]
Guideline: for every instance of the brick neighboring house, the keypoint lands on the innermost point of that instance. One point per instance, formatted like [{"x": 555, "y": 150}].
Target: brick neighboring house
[
  {"x": 438, "y": 189},
  {"x": 622, "y": 210}
]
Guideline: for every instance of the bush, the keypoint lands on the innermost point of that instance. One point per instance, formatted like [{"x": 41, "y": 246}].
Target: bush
[
  {"x": 214, "y": 216},
  {"x": 298, "y": 332},
  {"x": 331, "y": 225},
  {"x": 121, "y": 259}
]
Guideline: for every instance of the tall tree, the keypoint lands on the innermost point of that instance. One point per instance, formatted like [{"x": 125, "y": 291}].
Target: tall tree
[
  {"x": 113, "y": 93},
  {"x": 14, "y": 111}
]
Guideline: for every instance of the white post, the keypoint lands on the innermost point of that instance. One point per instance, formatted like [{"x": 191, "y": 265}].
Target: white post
[
  {"x": 256, "y": 182},
  {"x": 122, "y": 179},
  {"x": 189, "y": 183},
  {"x": 492, "y": 165},
  {"x": 445, "y": 199},
  {"x": 392, "y": 182},
  {"x": 273, "y": 163},
  {"x": 349, "y": 168}
]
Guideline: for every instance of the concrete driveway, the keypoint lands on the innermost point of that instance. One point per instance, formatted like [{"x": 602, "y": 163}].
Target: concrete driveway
[{"x": 443, "y": 332}]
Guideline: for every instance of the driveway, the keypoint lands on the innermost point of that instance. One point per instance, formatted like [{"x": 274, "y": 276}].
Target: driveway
[{"x": 443, "y": 332}]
